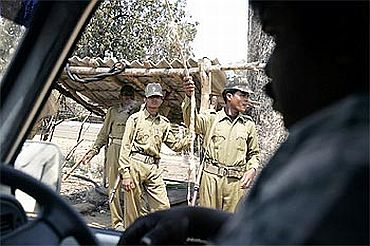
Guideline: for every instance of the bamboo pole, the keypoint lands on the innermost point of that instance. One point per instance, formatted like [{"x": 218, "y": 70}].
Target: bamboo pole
[
  {"x": 205, "y": 84},
  {"x": 254, "y": 66},
  {"x": 73, "y": 168},
  {"x": 186, "y": 72}
]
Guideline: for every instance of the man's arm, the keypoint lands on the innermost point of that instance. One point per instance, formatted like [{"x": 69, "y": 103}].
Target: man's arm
[
  {"x": 124, "y": 157},
  {"x": 103, "y": 135},
  {"x": 124, "y": 161},
  {"x": 174, "y": 143},
  {"x": 252, "y": 157},
  {"x": 253, "y": 148},
  {"x": 101, "y": 138}
]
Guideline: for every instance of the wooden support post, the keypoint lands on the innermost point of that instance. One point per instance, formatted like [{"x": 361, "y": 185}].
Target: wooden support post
[
  {"x": 205, "y": 83},
  {"x": 254, "y": 66}
]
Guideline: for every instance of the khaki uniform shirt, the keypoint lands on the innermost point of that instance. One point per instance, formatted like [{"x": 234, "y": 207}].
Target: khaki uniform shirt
[
  {"x": 151, "y": 132},
  {"x": 315, "y": 189},
  {"x": 114, "y": 125},
  {"x": 229, "y": 143}
]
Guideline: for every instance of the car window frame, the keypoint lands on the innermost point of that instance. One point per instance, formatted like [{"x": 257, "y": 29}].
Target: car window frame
[{"x": 50, "y": 39}]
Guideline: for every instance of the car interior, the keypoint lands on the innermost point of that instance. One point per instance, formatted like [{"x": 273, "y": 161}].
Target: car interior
[{"x": 50, "y": 32}]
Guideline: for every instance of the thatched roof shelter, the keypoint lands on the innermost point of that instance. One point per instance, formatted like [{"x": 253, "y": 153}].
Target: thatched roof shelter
[
  {"x": 95, "y": 83},
  {"x": 101, "y": 94}
]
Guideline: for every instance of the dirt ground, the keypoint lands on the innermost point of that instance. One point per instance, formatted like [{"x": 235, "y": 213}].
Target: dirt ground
[{"x": 85, "y": 188}]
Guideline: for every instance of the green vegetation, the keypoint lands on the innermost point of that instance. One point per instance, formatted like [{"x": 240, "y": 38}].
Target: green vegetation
[{"x": 137, "y": 30}]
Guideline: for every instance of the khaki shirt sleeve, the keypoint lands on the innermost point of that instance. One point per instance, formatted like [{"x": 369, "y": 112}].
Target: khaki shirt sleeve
[
  {"x": 124, "y": 161},
  {"x": 253, "y": 149},
  {"x": 174, "y": 143},
  {"x": 201, "y": 120},
  {"x": 103, "y": 135}
]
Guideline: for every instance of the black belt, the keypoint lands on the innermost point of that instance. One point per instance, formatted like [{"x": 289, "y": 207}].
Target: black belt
[
  {"x": 222, "y": 171},
  {"x": 114, "y": 140}
]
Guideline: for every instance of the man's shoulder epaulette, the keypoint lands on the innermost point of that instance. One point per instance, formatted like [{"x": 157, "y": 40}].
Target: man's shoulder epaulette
[
  {"x": 210, "y": 111},
  {"x": 109, "y": 110},
  {"x": 135, "y": 116},
  {"x": 247, "y": 118},
  {"x": 115, "y": 109},
  {"x": 164, "y": 118}
]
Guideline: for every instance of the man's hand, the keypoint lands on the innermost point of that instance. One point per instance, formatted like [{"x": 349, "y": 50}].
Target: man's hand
[
  {"x": 173, "y": 226},
  {"x": 88, "y": 156},
  {"x": 248, "y": 178},
  {"x": 128, "y": 184},
  {"x": 188, "y": 85}
]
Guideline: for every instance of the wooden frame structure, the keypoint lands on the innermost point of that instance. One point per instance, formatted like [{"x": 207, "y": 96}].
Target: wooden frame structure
[{"x": 208, "y": 75}]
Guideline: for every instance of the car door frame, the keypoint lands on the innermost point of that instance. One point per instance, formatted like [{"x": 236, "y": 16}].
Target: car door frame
[{"x": 54, "y": 30}]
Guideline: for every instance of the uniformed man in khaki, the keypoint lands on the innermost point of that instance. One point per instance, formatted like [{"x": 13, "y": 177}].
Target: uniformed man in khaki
[
  {"x": 111, "y": 134},
  {"x": 140, "y": 153},
  {"x": 231, "y": 148}
]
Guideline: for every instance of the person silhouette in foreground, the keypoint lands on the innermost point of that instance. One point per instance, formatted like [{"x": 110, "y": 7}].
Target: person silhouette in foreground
[{"x": 315, "y": 190}]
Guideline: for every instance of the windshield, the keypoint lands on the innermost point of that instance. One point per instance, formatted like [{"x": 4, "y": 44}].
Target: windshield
[
  {"x": 74, "y": 143},
  {"x": 67, "y": 128}
]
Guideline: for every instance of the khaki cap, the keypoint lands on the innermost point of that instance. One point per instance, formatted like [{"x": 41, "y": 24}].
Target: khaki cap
[
  {"x": 238, "y": 86},
  {"x": 153, "y": 89}
]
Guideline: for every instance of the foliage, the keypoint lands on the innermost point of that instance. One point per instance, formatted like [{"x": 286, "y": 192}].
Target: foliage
[{"x": 136, "y": 29}]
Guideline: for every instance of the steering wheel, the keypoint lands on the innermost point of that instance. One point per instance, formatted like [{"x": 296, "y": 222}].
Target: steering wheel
[{"x": 56, "y": 221}]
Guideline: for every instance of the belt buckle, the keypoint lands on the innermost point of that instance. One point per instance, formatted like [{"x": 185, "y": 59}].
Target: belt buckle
[{"x": 222, "y": 171}]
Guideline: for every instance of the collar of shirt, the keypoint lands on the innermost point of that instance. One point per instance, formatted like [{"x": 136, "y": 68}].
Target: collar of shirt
[
  {"x": 223, "y": 116},
  {"x": 148, "y": 115},
  {"x": 122, "y": 108}
]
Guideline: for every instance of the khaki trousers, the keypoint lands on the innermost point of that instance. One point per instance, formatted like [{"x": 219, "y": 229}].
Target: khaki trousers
[
  {"x": 112, "y": 170},
  {"x": 149, "y": 187},
  {"x": 220, "y": 192}
]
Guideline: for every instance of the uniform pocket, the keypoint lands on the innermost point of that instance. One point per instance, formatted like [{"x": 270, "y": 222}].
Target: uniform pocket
[
  {"x": 241, "y": 143},
  {"x": 217, "y": 140},
  {"x": 142, "y": 136},
  {"x": 121, "y": 127}
]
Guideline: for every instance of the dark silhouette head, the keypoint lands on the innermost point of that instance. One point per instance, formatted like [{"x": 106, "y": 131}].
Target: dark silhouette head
[
  {"x": 321, "y": 53},
  {"x": 127, "y": 90}
]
